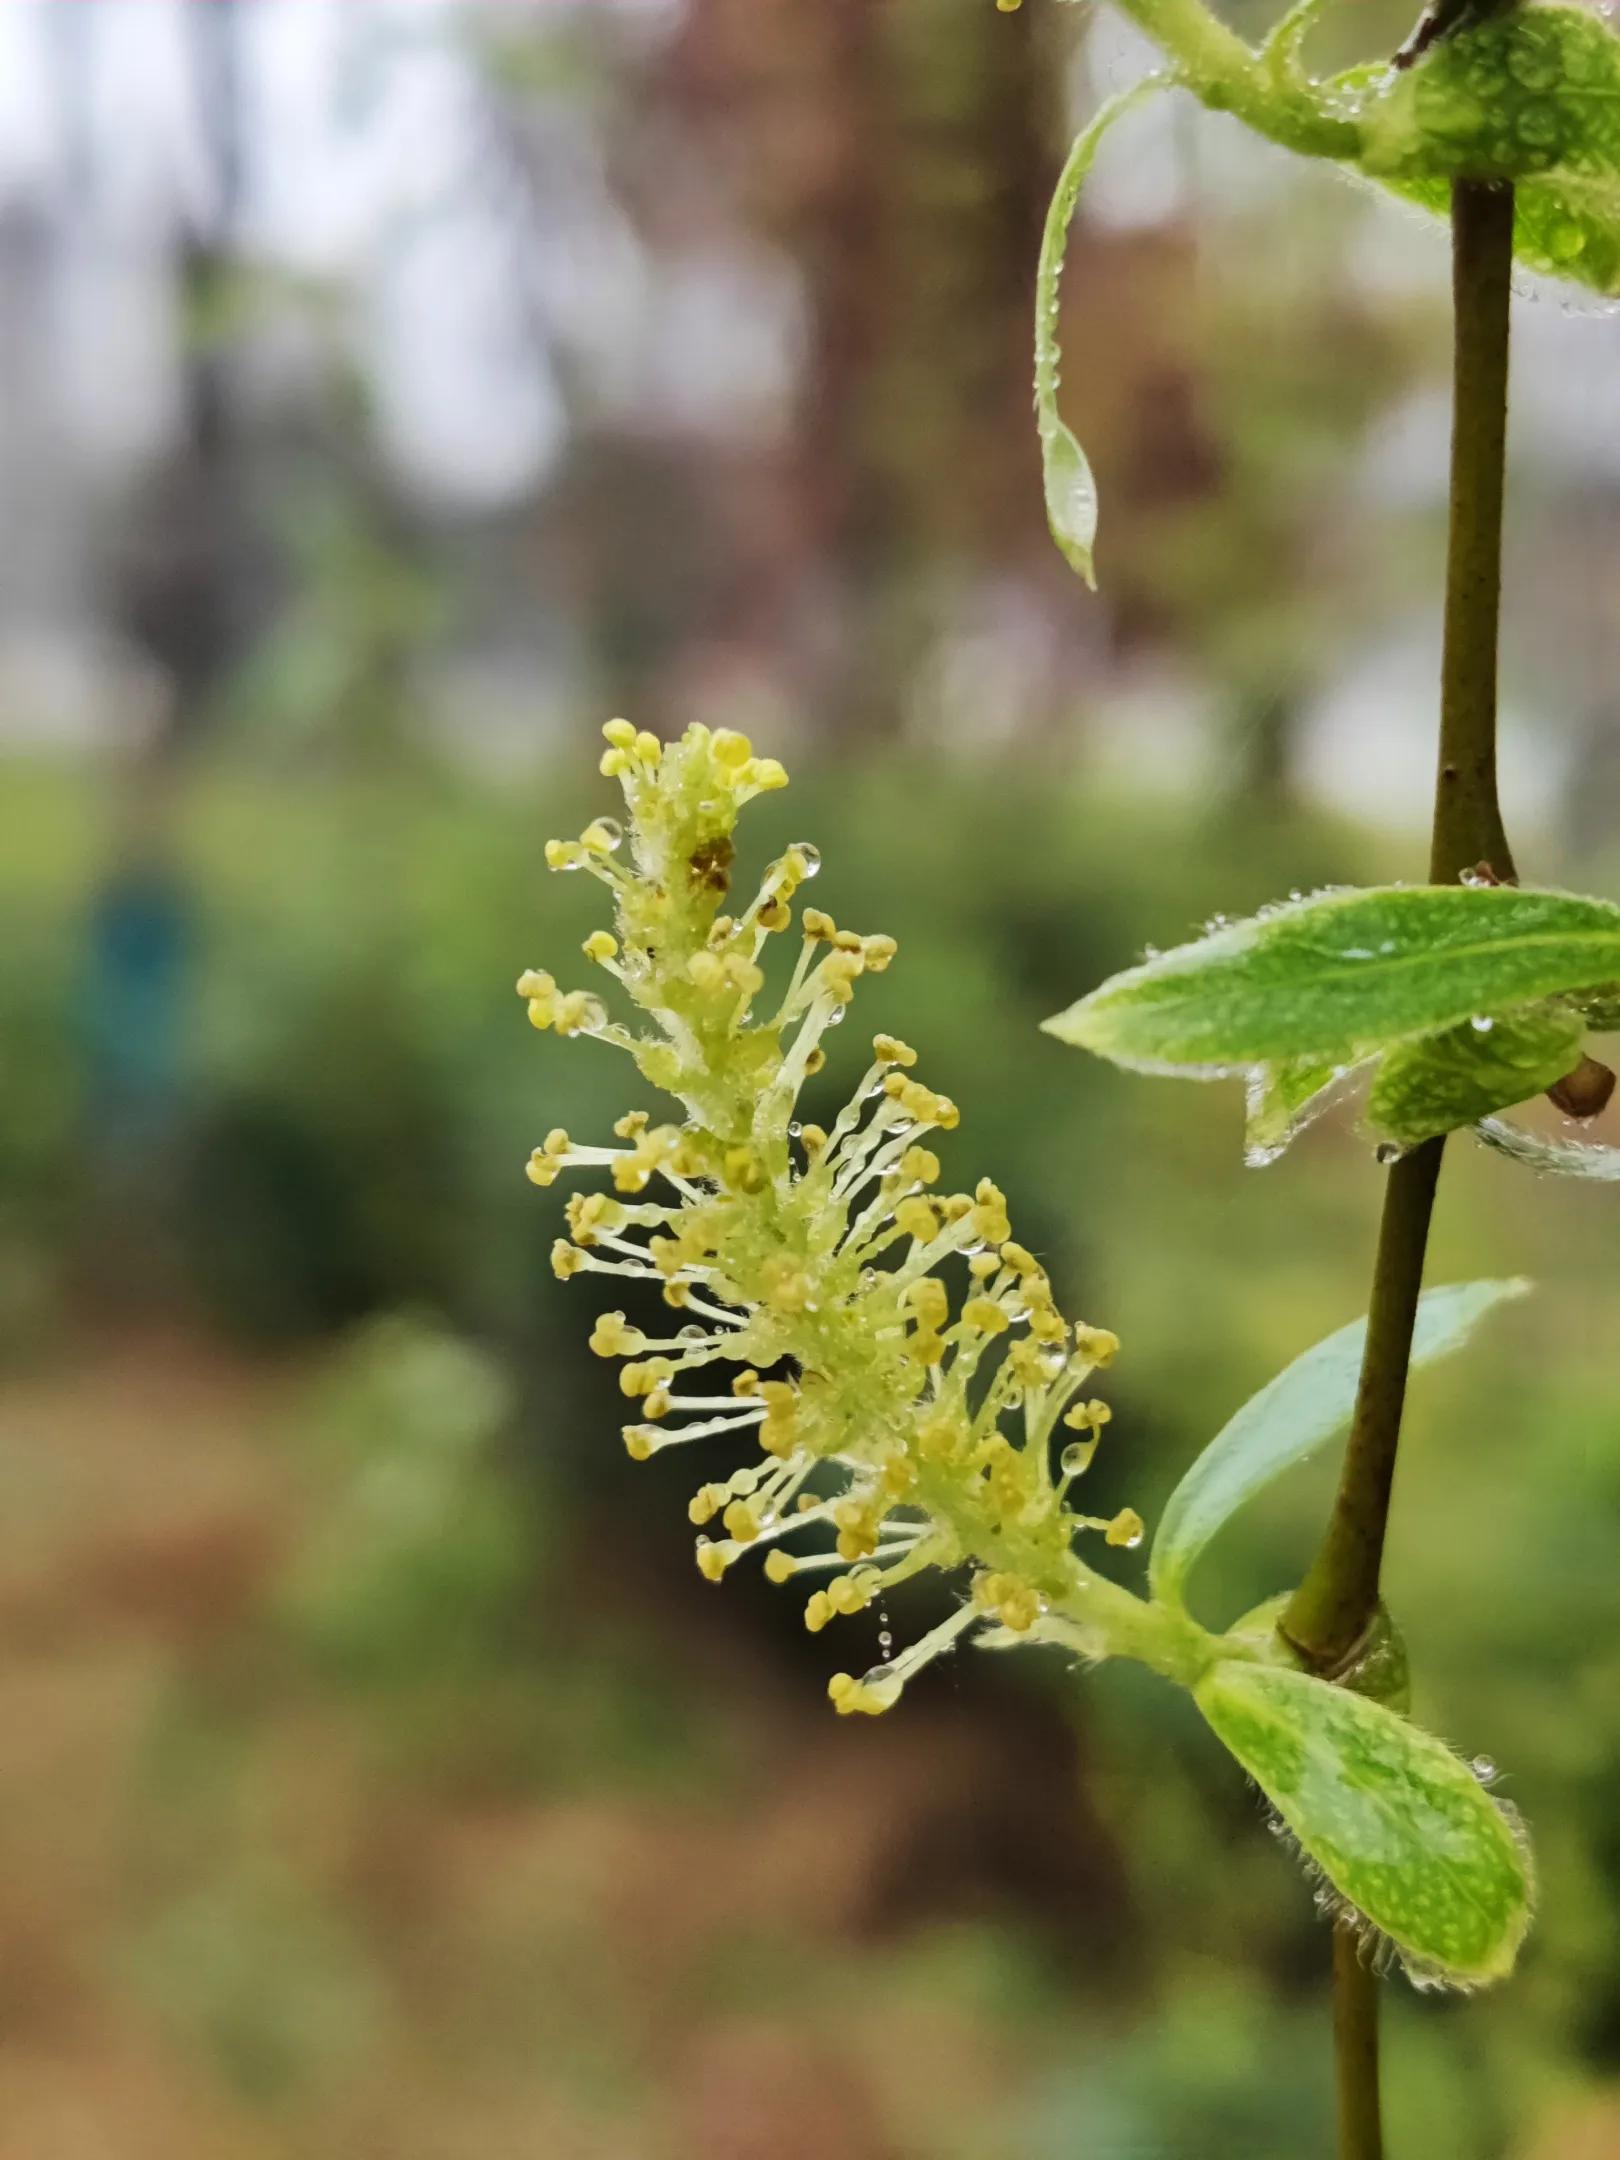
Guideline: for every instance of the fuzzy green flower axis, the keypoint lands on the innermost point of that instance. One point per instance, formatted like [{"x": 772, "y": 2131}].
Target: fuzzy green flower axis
[{"x": 808, "y": 1264}]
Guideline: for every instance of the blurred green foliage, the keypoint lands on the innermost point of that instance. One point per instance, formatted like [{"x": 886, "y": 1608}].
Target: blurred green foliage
[{"x": 458, "y": 1607}]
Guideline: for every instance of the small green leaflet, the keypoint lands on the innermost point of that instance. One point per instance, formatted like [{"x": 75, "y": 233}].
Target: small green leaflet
[
  {"x": 1439, "y": 1082},
  {"x": 1530, "y": 94},
  {"x": 1562, "y": 1158},
  {"x": 1307, "y": 1403},
  {"x": 1344, "y": 975},
  {"x": 1071, "y": 492},
  {"x": 1399, "y": 1825},
  {"x": 1282, "y": 1100}
]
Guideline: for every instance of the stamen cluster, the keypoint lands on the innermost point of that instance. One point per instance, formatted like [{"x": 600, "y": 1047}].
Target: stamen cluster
[{"x": 892, "y": 1358}]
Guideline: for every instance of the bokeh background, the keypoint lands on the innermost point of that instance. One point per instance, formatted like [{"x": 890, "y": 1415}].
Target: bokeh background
[{"x": 389, "y": 393}]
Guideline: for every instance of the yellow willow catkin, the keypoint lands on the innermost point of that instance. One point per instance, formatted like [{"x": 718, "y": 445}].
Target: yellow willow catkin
[{"x": 873, "y": 1396}]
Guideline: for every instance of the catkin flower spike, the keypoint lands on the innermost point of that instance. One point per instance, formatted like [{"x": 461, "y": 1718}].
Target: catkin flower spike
[{"x": 874, "y": 1395}]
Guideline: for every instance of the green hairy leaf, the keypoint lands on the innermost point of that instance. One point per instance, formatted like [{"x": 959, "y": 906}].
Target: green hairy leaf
[
  {"x": 1344, "y": 975},
  {"x": 1529, "y": 94},
  {"x": 1439, "y": 1082},
  {"x": 1559, "y": 1158},
  {"x": 1071, "y": 491},
  {"x": 1400, "y": 1826},
  {"x": 1307, "y": 1403},
  {"x": 1282, "y": 1101}
]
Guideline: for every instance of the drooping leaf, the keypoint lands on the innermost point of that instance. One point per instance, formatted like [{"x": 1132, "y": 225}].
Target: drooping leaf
[
  {"x": 1438, "y": 1083},
  {"x": 1530, "y": 94},
  {"x": 1561, "y": 1158},
  {"x": 1400, "y": 1826},
  {"x": 1341, "y": 976},
  {"x": 1071, "y": 491},
  {"x": 1282, "y": 1100},
  {"x": 1307, "y": 1403}
]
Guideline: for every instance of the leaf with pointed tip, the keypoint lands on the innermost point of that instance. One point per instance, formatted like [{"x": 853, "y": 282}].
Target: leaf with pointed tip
[
  {"x": 1066, "y": 476},
  {"x": 1282, "y": 1100},
  {"x": 1438, "y": 1083},
  {"x": 1530, "y": 94},
  {"x": 1561, "y": 1158},
  {"x": 1398, "y": 1824},
  {"x": 1306, "y": 1404},
  {"x": 1345, "y": 974}
]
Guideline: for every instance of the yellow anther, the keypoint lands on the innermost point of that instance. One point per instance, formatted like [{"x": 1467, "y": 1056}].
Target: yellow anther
[
  {"x": 566, "y": 1259},
  {"x": 613, "y": 1336},
  {"x": 818, "y": 1611},
  {"x": 600, "y": 945},
  {"x": 778, "y": 1567},
  {"x": 744, "y": 1171},
  {"x": 986, "y": 1315},
  {"x": 536, "y": 983},
  {"x": 920, "y": 1164},
  {"x": 705, "y": 1504},
  {"x": 706, "y": 971},
  {"x": 1097, "y": 1345},
  {"x": 540, "y": 1169},
  {"x": 741, "y": 1522},
  {"x": 747, "y": 1382},
  {"x": 730, "y": 749},
  {"x": 577, "y": 1014},
  {"x": 712, "y": 1559},
  {"x": 599, "y": 838},
  {"x": 813, "y": 1064},
  {"x": 1019, "y": 1258},
  {"x": 1088, "y": 1417},
  {"x": 917, "y": 1219},
  {"x": 813, "y": 1139},
  {"x": 619, "y": 733},
  {"x": 818, "y": 926},
  {"x": 889, "y": 1050},
  {"x": 766, "y": 773},
  {"x": 632, "y": 1125},
  {"x": 639, "y": 1443},
  {"x": 564, "y": 855},
  {"x": 983, "y": 1265},
  {"x": 542, "y": 1011},
  {"x": 774, "y": 914},
  {"x": 648, "y": 748},
  {"x": 878, "y": 952},
  {"x": 1125, "y": 1529}
]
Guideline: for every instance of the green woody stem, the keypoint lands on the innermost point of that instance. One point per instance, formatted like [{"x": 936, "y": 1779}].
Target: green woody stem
[{"x": 1335, "y": 1603}]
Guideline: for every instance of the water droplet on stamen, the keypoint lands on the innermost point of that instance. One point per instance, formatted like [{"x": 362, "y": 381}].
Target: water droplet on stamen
[{"x": 810, "y": 854}]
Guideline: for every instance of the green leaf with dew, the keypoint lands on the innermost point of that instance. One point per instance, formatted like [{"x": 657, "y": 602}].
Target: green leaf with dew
[
  {"x": 1306, "y": 1404},
  {"x": 1438, "y": 1083},
  {"x": 1530, "y": 94},
  {"x": 1400, "y": 1826},
  {"x": 1344, "y": 975},
  {"x": 1066, "y": 476},
  {"x": 1282, "y": 1100}
]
